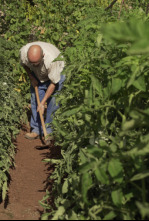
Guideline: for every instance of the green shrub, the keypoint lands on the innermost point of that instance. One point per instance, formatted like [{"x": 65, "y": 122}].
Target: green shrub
[
  {"x": 11, "y": 116},
  {"x": 102, "y": 125}
]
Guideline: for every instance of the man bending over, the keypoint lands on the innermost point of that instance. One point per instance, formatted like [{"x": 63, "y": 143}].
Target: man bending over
[{"x": 37, "y": 59}]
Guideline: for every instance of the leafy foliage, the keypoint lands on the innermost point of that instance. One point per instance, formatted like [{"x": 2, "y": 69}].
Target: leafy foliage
[
  {"x": 102, "y": 124},
  {"x": 11, "y": 109},
  {"x": 103, "y": 127}
]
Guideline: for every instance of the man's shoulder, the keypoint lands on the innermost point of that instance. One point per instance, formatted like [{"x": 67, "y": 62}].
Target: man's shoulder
[
  {"x": 23, "y": 55},
  {"x": 48, "y": 47}
]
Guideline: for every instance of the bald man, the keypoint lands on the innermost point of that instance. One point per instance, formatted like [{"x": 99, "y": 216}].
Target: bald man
[{"x": 37, "y": 58}]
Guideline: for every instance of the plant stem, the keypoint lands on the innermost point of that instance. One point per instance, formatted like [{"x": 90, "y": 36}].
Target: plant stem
[
  {"x": 147, "y": 9},
  {"x": 122, "y": 3},
  {"x": 143, "y": 191}
]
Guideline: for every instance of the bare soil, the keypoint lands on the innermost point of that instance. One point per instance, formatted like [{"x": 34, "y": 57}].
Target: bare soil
[{"x": 28, "y": 180}]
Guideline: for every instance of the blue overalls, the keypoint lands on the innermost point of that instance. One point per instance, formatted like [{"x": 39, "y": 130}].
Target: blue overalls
[{"x": 35, "y": 122}]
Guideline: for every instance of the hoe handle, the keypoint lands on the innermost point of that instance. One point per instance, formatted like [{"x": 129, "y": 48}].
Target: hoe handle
[{"x": 40, "y": 113}]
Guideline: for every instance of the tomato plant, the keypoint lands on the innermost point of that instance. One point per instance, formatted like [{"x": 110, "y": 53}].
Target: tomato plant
[
  {"x": 11, "y": 116},
  {"x": 102, "y": 125}
]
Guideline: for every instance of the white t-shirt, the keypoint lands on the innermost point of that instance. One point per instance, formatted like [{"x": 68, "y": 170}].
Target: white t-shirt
[{"x": 48, "y": 69}]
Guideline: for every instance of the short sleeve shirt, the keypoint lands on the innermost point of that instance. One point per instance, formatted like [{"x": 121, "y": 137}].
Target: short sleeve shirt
[{"x": 48, "y": 70}]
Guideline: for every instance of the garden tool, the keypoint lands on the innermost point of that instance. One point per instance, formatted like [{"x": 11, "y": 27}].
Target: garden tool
[{"x": 47, "y": 141}]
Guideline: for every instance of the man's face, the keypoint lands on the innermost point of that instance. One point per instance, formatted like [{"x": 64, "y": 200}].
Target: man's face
[
  {"x": 39, "y": 63},
  {"x": 35, "y": 55}
]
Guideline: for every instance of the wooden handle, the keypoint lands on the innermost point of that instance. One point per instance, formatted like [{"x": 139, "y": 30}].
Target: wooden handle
[{"x": 40, "y": 113}]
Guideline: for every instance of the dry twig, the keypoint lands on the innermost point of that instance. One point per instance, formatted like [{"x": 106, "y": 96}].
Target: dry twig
[
  {"x": 111, "y": 5},
  {"x": 122, "y": 3},
  {"x": 147, "y": 9}
]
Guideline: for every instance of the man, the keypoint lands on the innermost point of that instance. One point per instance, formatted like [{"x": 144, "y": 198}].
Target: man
[{"x": 37, "y": 58}]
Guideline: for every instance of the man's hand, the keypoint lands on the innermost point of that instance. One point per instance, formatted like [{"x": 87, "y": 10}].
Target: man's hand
[
  {"x": 49, "y": 92},
  {"x": 34, "y": 82},
  {"x": 41, "y": 108}
]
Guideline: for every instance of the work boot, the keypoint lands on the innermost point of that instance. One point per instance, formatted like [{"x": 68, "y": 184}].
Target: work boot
[{"x": 31, "y": 136}]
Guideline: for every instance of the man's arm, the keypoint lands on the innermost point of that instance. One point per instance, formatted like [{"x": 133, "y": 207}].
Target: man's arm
[
  {"x": 48, "y": 94},
  {"x": 34, "y": 82}
]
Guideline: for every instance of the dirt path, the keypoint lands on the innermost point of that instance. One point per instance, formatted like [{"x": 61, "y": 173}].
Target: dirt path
[{"x": 28, "y": 180}]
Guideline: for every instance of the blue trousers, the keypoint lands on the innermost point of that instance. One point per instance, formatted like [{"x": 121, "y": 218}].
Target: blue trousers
[{"x": 35, "y": 122}]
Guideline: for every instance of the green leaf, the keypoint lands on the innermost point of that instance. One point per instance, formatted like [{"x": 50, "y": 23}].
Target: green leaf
[
  {"x": 4, "y": 190},
  {"x": 101, "y": 176},
  {"x": 140, "y": 176},
  {"x": 72, "y": 111},
  {"x": 117, "y": 197},
  {"x": 110, "y": 216},
  {"x": 103, "y": 143},
  {"x": 113, "y": 147},
  {"x": 90, "y": 97},
  {"x": 44, "y": 205},
  {"x": 65, "y": 187},
  {"x": 87, "y": 166},
  {"x": 86, "y": 185},
  {"x": 140, "y": 83},
  {"x": 144, "y": 209},
  {"x": 59, "y": 213},
  {"x": 45, "y": 216},
  {"x": 53, "y": 161},
  {"x": 97, "y": 85},
  {"x": 116, "y": 85},
  {"x": 128, "y": 125},
  {"x": 140, "y": 47},
  {"x": 83, "y": 157},
  {"x": 73, "y": 216},
  {"x": 95, "y": 151},
  {"x": 115, "y": 169},
  {"x": 99, "y": 40}
]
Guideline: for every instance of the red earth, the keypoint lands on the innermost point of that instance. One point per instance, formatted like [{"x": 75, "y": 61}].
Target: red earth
[{"x": 29, "y": 180}]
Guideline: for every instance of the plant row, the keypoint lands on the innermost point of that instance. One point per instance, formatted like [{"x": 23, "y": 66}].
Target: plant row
[
  {"x": 11, "y": 116},
  {"x": 102, "y": 125}
]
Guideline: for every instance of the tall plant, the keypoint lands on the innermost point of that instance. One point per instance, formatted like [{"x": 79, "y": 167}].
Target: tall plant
[
  {"x": 103, "y": 126},
  {"x": 11, "y": 116}
]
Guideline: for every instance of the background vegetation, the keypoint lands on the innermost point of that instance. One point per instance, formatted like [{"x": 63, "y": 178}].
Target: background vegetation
[
  {"x": 11, "y": 116},
  {"x": 102, "y": 125}
]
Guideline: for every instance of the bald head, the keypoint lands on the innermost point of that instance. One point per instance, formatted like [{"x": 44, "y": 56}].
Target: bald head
[{"x": 35, "y": 54}]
